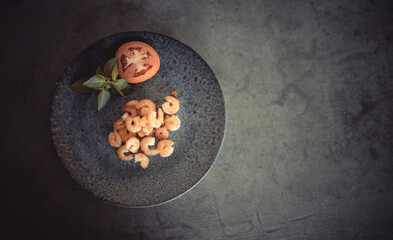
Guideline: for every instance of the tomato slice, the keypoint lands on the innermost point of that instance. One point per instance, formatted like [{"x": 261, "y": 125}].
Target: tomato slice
[{"x": 138, "y": 61}]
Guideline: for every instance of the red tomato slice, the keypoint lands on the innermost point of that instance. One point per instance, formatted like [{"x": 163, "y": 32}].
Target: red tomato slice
[{"x": 138, "y": 61}]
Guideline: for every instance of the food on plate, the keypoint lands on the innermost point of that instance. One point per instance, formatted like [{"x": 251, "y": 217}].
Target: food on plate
[
  {"x": 114, "y": 138},
  {"x": 165, "y": 148},
  {"x": 132, "y": 144},
  {"x": 172, "y": 123},
  {"x": 146, "y": 103},
  {"x": 125, "y": 134},
  {"x": 171, "y": 106},
  {"x": 173, "y": 93},
  {"x": 139, "y": 126},
  {"x": 132, "y": 124},
  {"x": 161, "y": 133},
  {"x": 145, "y": 146},
  {"x": 118, "y": 124},
  {"x": 138, "y": 61},
  {"x": 121, "y": 151},
  {"x": 142, "y": 159}
]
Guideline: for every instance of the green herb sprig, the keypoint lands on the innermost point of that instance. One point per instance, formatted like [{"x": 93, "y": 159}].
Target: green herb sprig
[{"x": 102, "y": 81}]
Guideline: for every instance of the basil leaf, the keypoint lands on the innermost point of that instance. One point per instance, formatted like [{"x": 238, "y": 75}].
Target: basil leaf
[
  {"x": 117, "y": 88},
  {"x": 99, "y": 71},
  {"x": 79, "y": 87},
  {"x": 103, "y": 98},
  {"x": 115, "y": 72},
  {"x": 109, "y": 65},
  {"x": 96, "y": 82},
  {"x": 122, "y": 84},
  {"x": 114, "y": 91}
]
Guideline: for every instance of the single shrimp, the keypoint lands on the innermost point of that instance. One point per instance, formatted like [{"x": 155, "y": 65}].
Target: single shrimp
[
  {"x": 114, "y": 139},
  {"x": 118, "y": 124},
  {"x": 125, "y": 135},
  {"x": 132, "y": 144},
  {"x": 142, "y": 159},
  {"x": 161, "y": 133},
  {"x": 146, "y": 103},
  {"x": 172, "y": 123},
  {"x": 171, "y": 106},
  {"x": 130, "y": 110},
  {"x": 165, "y": 148},
  {"x": 132, "y": 124},
  {"x": 145, "y": 143},
  {"x": 173, "y": 93},
  {"x": 121, "y": 153}
]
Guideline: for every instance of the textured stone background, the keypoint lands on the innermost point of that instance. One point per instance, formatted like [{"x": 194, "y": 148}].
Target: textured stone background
[{"x": 308, "y": 151}]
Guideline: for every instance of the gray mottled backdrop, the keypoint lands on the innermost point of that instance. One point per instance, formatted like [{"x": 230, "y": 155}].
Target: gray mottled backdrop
[{"x": 308, "y": 150}]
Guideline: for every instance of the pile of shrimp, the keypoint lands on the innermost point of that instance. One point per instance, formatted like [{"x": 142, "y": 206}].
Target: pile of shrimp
[{"x": 140, "y": 125}]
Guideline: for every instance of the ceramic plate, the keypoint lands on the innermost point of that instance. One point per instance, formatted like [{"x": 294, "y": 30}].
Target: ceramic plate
[{"x": 80, "y": 131}]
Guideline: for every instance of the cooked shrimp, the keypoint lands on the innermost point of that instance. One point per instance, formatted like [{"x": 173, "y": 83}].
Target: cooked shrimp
[
  {"x": 151, "y": 115},
  {"x": 114, "y": 139},
  {"x": 132, "y": 103},
  {"x": 142, "y": 159},
  {"x": 144, "y": 111},
  {"x": 132, "y": 124},
  {"x": 130, "y": 110},
  {"x": 118, "y": 124},
  {"x": 125, "y": 134},
  {"x": 172, "y": 123},
  {"x": 161, "y": 133},
  {"x": 149, "y": 119},
  {"x": 124, "y": 116},
  {"x": 173, "y": 93},
  {"x": 143, "y": 122},
  {"x": 146, "y": 103},
  {"x": 155, "y": 123},
  {"x": 171, "y": 106},
  {"x": 121, "y": 153},
  {"x": 160, "y": 116},
  {"x": 142, "y": 134},
  {"x": 146, "y": 143},
  {"x": 147, "y": 129},
  {"x": 165, "y": 148},
  {"x": 152, "y": 120},
  {"x": 132, "y": 144}
]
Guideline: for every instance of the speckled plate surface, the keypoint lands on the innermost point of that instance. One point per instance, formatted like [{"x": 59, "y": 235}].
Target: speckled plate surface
[{"x": 80, "y": 131}]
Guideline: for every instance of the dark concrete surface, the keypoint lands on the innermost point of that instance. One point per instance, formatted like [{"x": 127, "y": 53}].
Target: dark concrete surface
[{"x": 308, "y": 151}]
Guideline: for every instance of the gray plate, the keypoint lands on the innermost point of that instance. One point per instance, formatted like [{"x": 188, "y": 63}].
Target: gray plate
[{"x": 80, "y": 131}]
